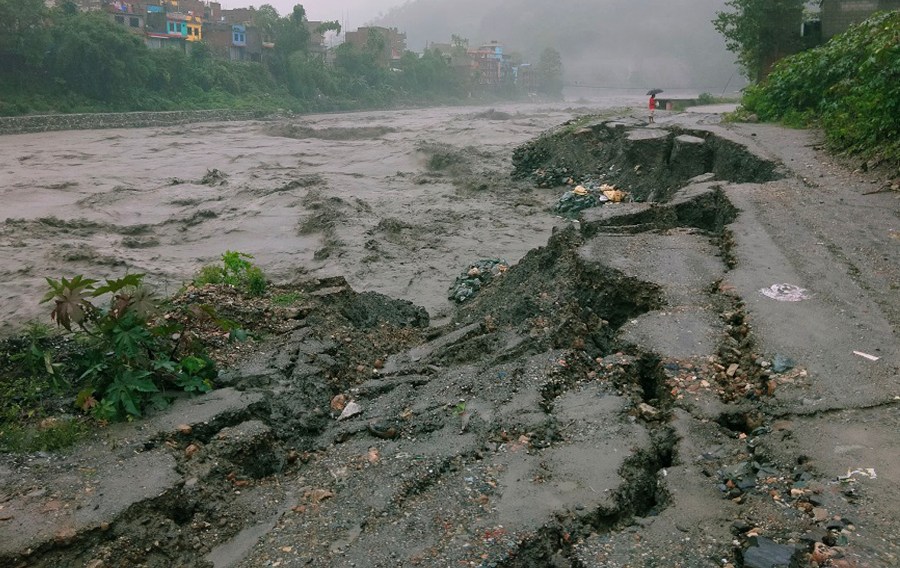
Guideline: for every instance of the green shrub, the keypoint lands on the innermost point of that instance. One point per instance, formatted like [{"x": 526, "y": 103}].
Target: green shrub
[
  {"x": 126, "y": 357},
  {"x": 287, "y": 299},
  {"x": 237, "y": 271},
  {"x": 850, "y": 87}
]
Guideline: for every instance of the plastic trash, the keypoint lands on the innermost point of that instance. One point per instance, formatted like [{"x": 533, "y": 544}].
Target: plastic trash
[{"x": 785, "y": 293}]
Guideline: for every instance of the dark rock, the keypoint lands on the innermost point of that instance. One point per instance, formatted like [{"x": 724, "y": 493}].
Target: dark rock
[
  {"x": 369, "y": 309},
  {"x": 740, "y": 527},
  {"x": 781, "y": 363},
  {"x": 814, "y": 536},
  {"x": 766, "y": 553},
  {"x": 250, "y": 447}
]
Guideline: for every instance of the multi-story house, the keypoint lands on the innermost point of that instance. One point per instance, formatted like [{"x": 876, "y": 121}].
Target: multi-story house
[
  {"x": 316, "y": 39},
  {"x": 237, "y": 42},
  {"x": 193, "y": 28},
  {"x": 393, "y": 48},
  {"x": 131, "y": 16},
  {"x": 490, "y": 62}
]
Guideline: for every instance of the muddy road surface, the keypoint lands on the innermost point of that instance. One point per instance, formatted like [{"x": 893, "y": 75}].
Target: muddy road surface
[{"x": 704, "y": 374}]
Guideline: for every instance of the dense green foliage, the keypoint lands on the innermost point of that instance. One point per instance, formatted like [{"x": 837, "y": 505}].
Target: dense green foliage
[
  {"x": 120, "y": 351},
  {"x": 850, "y": 86},
  {"x": 64, "y": 60},
  {"x": 237, "y": 271},
  {"x": 760, "y": 32},
  {"x": 88, "y": 63},
  {"x": 127, "y": 357}
]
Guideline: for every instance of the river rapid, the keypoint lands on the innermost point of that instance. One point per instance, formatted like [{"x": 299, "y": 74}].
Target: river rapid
[{"x": 398, "y": 202}]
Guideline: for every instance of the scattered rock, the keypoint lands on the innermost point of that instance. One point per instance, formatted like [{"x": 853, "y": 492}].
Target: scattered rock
[
  {"x": 339, "y": 402},
  {"x": 647, "y": 411},
  {"x": 766, "y": 553},
  {"x": 351, "y": 409},
  {"x": 475, "y": 277},
  {"x": 780, "y": 364}
]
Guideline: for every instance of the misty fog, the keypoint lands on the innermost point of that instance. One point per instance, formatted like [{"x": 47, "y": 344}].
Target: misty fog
[{"x": 604, "y": 43}]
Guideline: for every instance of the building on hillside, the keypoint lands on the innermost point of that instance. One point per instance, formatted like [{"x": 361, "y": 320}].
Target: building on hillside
[
  {"x": 194, "y": 28},
  {"x": 838, "y": 15},
  {"x": 238, "y": 16},
  {"x": 166, "y": 30},
  {"x": 236, "y": 42},
  {"x": 131, "y": 16},
  {"x": 316, "y": 39},
  {"x": 491, "y": 64},
  {"x": 393, "y": 48},
  {"x": 526, "y": 77},
  {"x": 214, "y": 12}
]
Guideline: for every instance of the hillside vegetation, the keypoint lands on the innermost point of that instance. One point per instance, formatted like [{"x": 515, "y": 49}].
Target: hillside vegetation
[
  {"x": 63, "y": 60},
  {"x": 850, "y": 87}
]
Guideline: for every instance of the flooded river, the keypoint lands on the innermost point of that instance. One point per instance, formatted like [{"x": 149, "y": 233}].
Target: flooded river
[{"x": 398, "y": 202}]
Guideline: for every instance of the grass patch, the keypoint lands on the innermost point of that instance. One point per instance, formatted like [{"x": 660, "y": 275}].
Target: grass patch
[
  {"x": 51, "y": 434},
  {"x": 287, "y": 299}
]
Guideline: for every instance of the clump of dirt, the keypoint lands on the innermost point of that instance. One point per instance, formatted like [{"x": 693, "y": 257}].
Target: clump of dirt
[
  {"x": 299, "y": 132},
  {"x": 551, "y": 285},
  {"x": 650, "y": 164}
]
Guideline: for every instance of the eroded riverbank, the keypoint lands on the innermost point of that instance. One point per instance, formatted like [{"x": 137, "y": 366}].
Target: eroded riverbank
[{"x": 611, "y": 400}]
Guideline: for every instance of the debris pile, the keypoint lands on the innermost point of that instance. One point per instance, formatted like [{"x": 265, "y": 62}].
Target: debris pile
[
  {"x": 476, "y": 275},
  {"x": 587, "y": 195}
]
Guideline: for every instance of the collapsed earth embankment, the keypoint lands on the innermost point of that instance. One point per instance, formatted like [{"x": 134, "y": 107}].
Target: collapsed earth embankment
[{"x": 619, "y": 397}]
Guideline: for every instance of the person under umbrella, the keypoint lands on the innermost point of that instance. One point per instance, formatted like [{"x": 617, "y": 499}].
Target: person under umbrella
[{"x": 652, "y": 104}]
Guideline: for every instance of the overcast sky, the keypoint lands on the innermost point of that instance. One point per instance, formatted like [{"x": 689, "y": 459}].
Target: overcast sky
[{"x": 359, "y": 11}]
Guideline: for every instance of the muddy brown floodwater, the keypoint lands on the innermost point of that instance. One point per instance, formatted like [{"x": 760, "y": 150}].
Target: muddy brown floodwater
[{"x": 399, "y": 202}]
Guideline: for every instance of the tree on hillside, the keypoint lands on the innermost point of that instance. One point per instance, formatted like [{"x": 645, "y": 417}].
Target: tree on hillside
[
  {"x": 332, "y": 26},
  {"x": 291, "y": 34},
  {"x": 266, "y": 19},
  {"x": 22, "y": 32},
  {"x": 760, "y": 32},
  {"x": 97, "y": 58},
  {"x": 550, "y": 73},
  {"x": 376, "y": 42}
]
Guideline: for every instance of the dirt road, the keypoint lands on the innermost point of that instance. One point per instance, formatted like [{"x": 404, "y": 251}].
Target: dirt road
[{"x": 633, "y": 392}]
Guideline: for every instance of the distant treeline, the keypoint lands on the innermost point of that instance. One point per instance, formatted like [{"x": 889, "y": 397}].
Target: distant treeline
[{"x": 64, "y": 60}]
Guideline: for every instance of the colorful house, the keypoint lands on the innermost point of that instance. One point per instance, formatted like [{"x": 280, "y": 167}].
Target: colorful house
[
  {"x": 194, "y": 28},
  {"x": 490, "y": 63}
]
